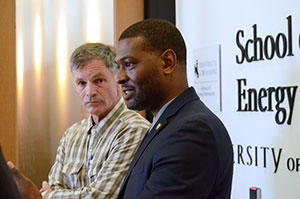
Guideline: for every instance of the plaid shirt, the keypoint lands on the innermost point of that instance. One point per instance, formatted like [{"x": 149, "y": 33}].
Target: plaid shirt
[{"x": 92, "y": 161}]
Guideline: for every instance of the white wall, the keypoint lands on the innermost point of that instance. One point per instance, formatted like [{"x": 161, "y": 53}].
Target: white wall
[{"x": 208, "y": 23}]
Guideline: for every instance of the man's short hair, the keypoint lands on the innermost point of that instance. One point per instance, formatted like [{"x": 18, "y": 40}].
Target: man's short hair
[
  {"x": 90, "y": 51},
  {"x": 160, "y": 36}
]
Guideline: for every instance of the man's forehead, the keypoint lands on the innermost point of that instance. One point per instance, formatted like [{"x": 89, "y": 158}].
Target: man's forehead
[
  {"x": 92, "y": 71},
  {"x": 128, "y": 46},
  {"x": 131, "y": 42}
]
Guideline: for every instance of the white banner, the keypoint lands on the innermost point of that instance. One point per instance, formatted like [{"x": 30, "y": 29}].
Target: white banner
[{"x": 259, "y": 69}]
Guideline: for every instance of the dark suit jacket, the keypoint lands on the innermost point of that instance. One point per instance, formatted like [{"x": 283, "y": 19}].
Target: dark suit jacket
[
  {"x": 187, "y": 154},
  {"x": 8, "y": 188}
]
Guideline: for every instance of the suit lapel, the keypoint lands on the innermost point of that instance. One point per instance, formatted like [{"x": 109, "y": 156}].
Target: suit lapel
[
  {"x": 146, "y": 141},
  {"x": 187, "y": 96},
  {"x": 154, "y": 131}
]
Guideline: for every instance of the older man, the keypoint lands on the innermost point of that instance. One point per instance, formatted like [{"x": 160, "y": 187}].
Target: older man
[{"x": 95, "y": 153}]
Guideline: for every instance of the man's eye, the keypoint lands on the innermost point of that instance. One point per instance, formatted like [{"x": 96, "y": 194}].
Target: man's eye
[
  {"x": 128, "y": 64},
  {"x": 100, "y": 80},
  {"x": 81, "y": 83}
]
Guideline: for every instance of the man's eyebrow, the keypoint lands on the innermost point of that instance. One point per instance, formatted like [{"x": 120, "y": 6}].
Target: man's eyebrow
[
  {"x": 78, "y": 79},
  {"x": 98, "y": 75},
  {"x": 93, "y": 77},
  {"x": 123, "y": 58}
]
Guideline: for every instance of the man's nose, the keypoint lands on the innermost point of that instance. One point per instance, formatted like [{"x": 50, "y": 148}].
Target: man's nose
[
  {"x": 90, "y": 89},
  {"x": 122, "y": 76}
]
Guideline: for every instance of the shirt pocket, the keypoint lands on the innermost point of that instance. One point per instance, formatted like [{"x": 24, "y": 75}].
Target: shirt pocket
[{"x": 72, "y": 175}]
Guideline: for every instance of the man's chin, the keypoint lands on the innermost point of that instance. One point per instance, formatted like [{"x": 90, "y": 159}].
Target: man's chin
[
  {"x": 134, "y": 106},
  {"x": 92, "y": 111}
]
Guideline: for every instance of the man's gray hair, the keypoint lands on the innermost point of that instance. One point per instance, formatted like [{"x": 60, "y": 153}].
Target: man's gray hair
[{"x": 89, "y": 51}]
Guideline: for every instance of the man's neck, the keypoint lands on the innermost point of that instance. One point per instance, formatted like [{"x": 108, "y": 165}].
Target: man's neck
[
  {"x": 97, "y": 118},
  {"x": 171, "y": 95}
]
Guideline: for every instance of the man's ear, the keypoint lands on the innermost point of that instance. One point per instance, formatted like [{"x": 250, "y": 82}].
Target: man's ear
[{"x": 169, "y": 61}]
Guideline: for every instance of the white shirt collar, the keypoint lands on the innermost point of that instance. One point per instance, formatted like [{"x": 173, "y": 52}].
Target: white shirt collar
[{"x": 160, "y": 112}]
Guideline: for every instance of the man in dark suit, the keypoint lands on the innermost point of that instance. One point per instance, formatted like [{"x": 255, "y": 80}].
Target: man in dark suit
[
  {"x": 187, "y": 152},
  {"x": 8, "y": 188}
]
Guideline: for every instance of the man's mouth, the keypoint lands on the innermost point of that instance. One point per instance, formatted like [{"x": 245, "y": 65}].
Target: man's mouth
[
  {"x": 129, "y": 92},
  {"x": 91, "y": 103}
]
